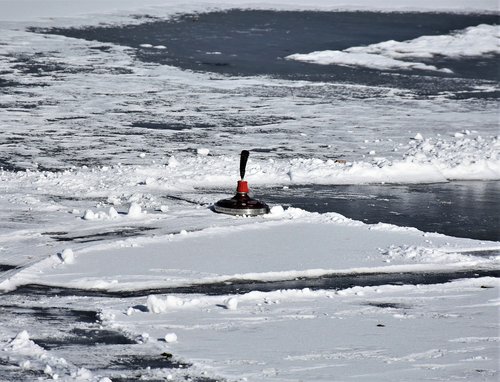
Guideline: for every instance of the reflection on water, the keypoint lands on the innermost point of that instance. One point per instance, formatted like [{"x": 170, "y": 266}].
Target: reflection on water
[{"x": 463, "y": 209}]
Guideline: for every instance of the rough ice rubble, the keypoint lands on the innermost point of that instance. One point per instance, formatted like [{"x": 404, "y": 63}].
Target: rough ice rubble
[
  {"x": 427, "y": 160},
  {"x": 29, "y": 355},
  {"x": 435, "y": 159},
  {"x": 471, "y": 42}
]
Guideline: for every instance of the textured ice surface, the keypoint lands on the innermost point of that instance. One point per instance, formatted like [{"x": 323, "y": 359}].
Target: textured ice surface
[{"x": 116, "y": 155}]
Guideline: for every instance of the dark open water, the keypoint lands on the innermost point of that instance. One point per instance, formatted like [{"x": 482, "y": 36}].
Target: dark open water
[
  {"x": 462, "y": 209},
  {"x": 256, "y": 42}
]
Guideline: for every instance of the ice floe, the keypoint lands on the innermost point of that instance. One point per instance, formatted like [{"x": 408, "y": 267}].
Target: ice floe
[{"x": 473, "y": 41}]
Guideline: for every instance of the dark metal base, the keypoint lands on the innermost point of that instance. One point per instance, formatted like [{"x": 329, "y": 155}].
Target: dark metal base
[{"x": 241, "y": 204}]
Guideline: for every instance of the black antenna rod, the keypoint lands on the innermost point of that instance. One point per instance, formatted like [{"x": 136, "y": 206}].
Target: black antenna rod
[{"x": 243, "y": 162}]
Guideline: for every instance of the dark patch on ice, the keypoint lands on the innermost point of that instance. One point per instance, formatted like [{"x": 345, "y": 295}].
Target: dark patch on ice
[
  {"x": 7, "y": 267},
  {"x": 255, "y": 42},
  {"x": 388, "y": 305},
  {"x": 141, "y": 308},
  {"x": 485, "y": 253},
  {"x": 60, "y": 198},
  {"x": 123, "y": 232},
  {"x": 102, "y": 48},
  {"x": 69, "y": 118},
  {"x": 38, "y": 68},
  {"x": 492, "y": 94},
  {"x": 77, "y": 335},
  {"x": 175, "y": 126},
  {"x": 51, "y": 314},
  {"x": 234, "y": 121},
  {"x": 85, "y": 337},
  {"x": 160, "y": 126},
  {"x": 7, "y": 165},
  {"x": 237, "y": 286},
  {"x": 37, "y": 65},
  {"x": 132, "y": 362},
  {"x": 7, "y": 83}
]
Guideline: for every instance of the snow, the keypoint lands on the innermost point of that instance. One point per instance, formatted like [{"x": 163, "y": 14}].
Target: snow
[
  {"x": 140, "y": 220},
  {"x": 368, "y": 60},
  {"x": 471, "y": 42},
  {"x": 134, "y": 211},
  {"x": 354, "y": 333},
  {"x": 68, "y": 256},
  {"x": 231, "y": 303},
  {"x": 202, "y": 151},
  {"x": 269, "y": 248},
  {"x": 31, "y": 356},
  {"x": 170, "y": 338}
]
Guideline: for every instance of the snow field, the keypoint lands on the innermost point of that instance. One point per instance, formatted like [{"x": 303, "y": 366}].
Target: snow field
[
  {"x": 286, "y": 334},
  {"x": 270, "y": 248}
]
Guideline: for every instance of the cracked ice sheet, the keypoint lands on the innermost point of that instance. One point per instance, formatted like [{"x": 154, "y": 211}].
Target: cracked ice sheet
[
  {"x": 387, "y": 333},
  {"x": 282, "y": 246}
]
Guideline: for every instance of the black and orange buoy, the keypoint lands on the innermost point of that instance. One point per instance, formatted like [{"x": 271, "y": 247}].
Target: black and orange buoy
[{"x": 242, "y": 203}]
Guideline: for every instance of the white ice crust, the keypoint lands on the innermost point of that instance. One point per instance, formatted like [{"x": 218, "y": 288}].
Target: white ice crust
[{"x": 388, "y": 55}]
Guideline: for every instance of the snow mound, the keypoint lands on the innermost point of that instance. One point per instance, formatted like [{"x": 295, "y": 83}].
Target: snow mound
[
  {"x": 170, "y": 338},
  {"x": 231, "y": 303},
  {"x": 67, "y": 256},
  {"x": 158, "y": 305},
  {"x": 100, "y": 215}
]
